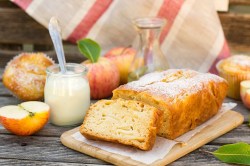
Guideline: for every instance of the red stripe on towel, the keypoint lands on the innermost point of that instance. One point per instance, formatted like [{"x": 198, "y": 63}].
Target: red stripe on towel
[
  {"x": 94, "y": 13},
  {"x": 169, "y": 10},
  {"x": 224, "y": 53},
  {"x": 24, "y": 4}
]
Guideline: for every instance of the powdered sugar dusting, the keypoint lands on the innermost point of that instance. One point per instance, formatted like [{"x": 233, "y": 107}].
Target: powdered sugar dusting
[
  {"x": 25, "y": 53},
  {"x": 173, "y": 83},
  {"x": 148, "y": 79},
  {"x": 241, "y": 60},
  {"x": 151, "y": 78}
]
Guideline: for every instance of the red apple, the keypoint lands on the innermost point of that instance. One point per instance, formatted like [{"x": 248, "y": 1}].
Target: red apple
[
  {"x": 103, "y": 77},
  {"x": 245, "y": 92},
  {"x": 103, "y": 74},
  {"x": 26, "y": 118},
  {"x": 123, "y": 58}
]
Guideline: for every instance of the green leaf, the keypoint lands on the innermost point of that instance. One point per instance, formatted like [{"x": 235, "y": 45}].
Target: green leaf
[
  {"x": 90, "y": 49},
  {"x": 238, "y": 153}
]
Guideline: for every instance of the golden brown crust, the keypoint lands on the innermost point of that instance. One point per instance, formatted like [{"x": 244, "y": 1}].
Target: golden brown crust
[
  {"x": 187, "y": 98},
  {"x": 25, "y": 75},
  {"x": 146, "y": 144}
]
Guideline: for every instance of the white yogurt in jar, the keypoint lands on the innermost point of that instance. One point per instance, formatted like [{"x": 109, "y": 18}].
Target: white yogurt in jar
[{"x": 68, "y": 96}]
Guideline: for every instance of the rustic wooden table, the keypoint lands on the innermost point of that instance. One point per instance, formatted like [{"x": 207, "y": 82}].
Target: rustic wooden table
[{"x": 45, "y": 148}]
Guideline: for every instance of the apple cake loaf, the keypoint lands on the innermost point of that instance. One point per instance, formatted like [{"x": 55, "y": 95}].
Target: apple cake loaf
[
  {"x": 124, "y": 121},
  {"x": 187, "y": 98}
]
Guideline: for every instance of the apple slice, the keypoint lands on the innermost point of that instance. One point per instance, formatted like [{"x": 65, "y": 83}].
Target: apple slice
[
  {"x": 25, "y": 118},
  {"x": 245, "y": 92}
]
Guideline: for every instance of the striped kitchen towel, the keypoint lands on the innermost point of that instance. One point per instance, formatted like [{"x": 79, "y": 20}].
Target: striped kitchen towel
[{"x": 193, "y": 37}]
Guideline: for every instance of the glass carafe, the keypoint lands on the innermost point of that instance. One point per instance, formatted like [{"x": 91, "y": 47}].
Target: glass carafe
[{"x": 149, "y": 56}]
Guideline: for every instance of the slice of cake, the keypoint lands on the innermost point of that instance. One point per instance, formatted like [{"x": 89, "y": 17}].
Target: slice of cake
[{"x": 124, "y": 121}]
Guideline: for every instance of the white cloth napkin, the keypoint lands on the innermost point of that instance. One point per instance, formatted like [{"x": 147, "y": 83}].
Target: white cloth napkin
[{"x": 162, "y": 145}]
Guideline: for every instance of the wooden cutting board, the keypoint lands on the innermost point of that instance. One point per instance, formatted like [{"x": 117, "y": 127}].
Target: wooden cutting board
[{"x": 225, "y": 123}]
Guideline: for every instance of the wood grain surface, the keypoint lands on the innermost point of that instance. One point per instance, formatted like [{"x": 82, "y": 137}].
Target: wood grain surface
[
  {"x": 23, "y": 29},
  {"x": 73, "y": 57},
  {"x": 236, "y": 29},
  {"x": 239, "y": 2}
]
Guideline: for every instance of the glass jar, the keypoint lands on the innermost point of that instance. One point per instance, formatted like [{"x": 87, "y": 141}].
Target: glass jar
[
  {"x": 149, "y": 56},
  {"x": 67, "y": 94}
]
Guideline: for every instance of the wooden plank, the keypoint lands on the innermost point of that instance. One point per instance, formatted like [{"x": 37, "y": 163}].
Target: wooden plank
[
  {"x": 1, "y": 73},
  {"x": 10, "y": 46},
  {"x": 42, "y": 149},
  {"x": 236, "y": 28},
  {"x": 239, "y": 2},
  {"x": 6, "y": 3},
  {"x": 241, "y": 133},
  {"x": 18, "y": 162},
  {"x": 13, "y": 29},
  {"x": 199, "y": 157},
  {"x": 73, "y": 57},
  {"x": 21, "y": 29},
  {"x": 49, "y": 149},
  {"x": 8, "y": 101},
  {"x": 225, "y": 123},
  {"x": 49, "y": 130},
  {"x": 4, "y": 92},
  {"x": 239, "y": 108}
]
